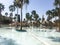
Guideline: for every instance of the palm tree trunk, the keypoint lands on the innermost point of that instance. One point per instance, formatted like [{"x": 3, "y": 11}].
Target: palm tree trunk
[
  {"x": 0, "y": 12},
  {"x": 17, "y": 14},
  {"x": 26, "y": 8},
  {"x": 59, "y": 18},
  {"x": 56, "y": 24},
  {"x": 21, "y": 18},
  {"x": 59, "y": 23},
  {"x": 17, "y": 17}
]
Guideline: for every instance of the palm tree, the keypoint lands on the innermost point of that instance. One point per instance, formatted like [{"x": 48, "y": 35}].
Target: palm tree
[
  {"x": 43, "y": 19},
  {"x": 6, "y": 14},
  {"x": 39, "y": 19},
  {"x": 33, "y": 12},
  {"x": 27, "y": 16},
  {"x": 20, "y": 4},
  {"x": 16, "y": 6},
  {"x": 54, "y": 12},
  {"x": 1, "y": 8},
  {"x": 30, "y": 18},
  {"x": 24, "y": 19},
  {"x": 36, "y": 17},
  {"x": 16, "y": 17},
  {"x": 49, "y": 13},
  {"x": 12, "y": 8},
  {"x": 11, "y": 16},
  {"x": 57, "y": 4}
]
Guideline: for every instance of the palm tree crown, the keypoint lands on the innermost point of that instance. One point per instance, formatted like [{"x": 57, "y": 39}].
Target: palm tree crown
[
  {"x": 20, "y": 3},
  {"x": 6, "y": 13},
  {"x": 12, "y": 8},
  {"x": 1, "y": 8},
  {"x": 57, "y": 3},
  {"x": 27, "y": 16}
]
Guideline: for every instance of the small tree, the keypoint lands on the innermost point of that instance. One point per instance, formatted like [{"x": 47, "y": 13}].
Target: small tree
[
  {"x": 1, "y": 8},
  {"x": 6, "y": 14}
]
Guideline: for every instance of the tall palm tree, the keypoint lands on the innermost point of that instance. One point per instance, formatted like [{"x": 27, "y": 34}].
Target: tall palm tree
[
  {"x": 50, "y": 15},
  {"x": 26, "y": 4},
  {"x": 16, "y": 6},
  {"x": 12, "y": 8},
  {"x": 11, "y": 16},
  {"x": 35, "y": 17},
  {"x": 57, "y": 4},
  {"x": 1, "y": 8},
  {"x": 16, "y": 16},
  {"x": 55, "y": 14},
  {"x": 20, "y": 4}
]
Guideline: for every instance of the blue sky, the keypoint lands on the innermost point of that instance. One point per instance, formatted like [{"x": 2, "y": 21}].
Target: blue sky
[{"x": 41, "y": 6}]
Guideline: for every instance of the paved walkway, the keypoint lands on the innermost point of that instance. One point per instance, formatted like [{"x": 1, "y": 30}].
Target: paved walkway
[
  {"x": 13, "y": 37},
  {"x": 20, "y": 38},
  {"x": 53, "y": 38}
]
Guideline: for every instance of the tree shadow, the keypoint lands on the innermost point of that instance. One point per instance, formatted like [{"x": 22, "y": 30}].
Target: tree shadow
[
  {"x": 5, "y": 41},
  {"x": 55, "y": 39},
  {"x": 21, "y": 30},
  {"x": 51, "y": 37}
]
